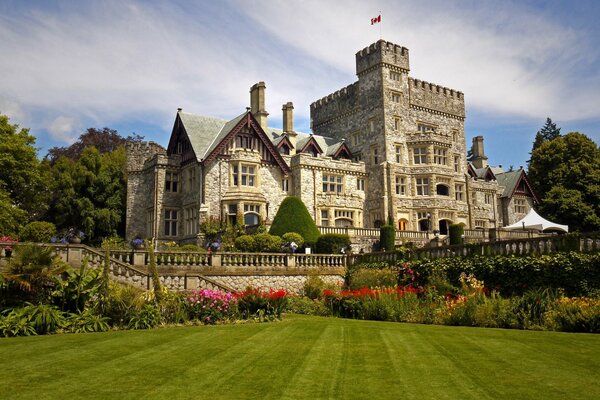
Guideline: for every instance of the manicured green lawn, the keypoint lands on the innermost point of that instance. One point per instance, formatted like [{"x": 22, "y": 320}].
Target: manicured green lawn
[{"x": 303, "y": 357}]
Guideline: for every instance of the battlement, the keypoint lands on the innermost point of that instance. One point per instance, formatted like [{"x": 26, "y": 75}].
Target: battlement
[
  {"x": 343, "y": 93},
  {"x": 381, "y": 52},
  {"x": 139, "y": 152},
  {"x": 417, "y": 83}
]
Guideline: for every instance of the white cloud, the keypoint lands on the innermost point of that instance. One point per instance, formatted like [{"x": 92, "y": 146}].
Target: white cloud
[{"x": 63, "y": 129}]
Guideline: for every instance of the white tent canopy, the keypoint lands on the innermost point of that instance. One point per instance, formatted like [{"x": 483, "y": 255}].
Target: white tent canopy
[{"x": 533, "y": 221}]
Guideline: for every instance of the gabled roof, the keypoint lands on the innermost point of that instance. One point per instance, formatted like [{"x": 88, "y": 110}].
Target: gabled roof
[
  {"x": 206, "y": 133},
  {"x": 486, "y": 173},
  {"x": 511, "y": 180},
  {"x": 311, "y": 141}
]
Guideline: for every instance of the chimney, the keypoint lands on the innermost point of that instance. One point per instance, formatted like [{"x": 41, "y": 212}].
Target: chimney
[
  {"x": 288, "y": 124},
  {"x": 479, "y": 157},
  {"x": 257, "y": 104}
]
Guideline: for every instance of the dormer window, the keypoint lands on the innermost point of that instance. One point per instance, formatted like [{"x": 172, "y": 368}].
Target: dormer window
[{"x": 284, "y": 149}]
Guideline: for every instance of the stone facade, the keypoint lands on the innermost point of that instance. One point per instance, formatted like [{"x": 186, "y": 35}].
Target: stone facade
[{"x": 385, "y": 148}]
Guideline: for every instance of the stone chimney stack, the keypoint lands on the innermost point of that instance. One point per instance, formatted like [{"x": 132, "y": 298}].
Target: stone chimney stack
[
  {"x": 288, "y": 124},
  {"x": 257, "y": 104},
  {"x": 479, "y": 157}
]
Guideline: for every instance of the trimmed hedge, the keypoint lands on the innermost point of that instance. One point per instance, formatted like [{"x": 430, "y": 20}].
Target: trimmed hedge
[
  {"x": 456, "y": 232},
  {"x": 293, "y": 216},
  {"x": 387, "y": 238},
  {"x": 332, "y": 243}
]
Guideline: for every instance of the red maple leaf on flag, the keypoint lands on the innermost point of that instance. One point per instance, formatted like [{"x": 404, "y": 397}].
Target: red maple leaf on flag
[{"x": 376, "y": 20}]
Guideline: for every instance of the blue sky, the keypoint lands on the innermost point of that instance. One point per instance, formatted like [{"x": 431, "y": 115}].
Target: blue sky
[{"x": 128, "y": 65}]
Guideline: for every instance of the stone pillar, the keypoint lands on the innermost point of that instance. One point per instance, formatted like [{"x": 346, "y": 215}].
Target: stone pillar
[
  {"x": 139, "y": 258},
  {"x": 479, "y": 157},
  {"x": 257, "y": 103}
]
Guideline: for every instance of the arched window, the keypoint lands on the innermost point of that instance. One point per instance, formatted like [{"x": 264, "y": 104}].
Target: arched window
[{"x": 402, "y": 224}]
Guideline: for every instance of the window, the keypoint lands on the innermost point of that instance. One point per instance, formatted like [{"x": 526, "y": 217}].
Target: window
[
  {"x": 357, "y": 157},
  {"x": 439, "y": 157},
  {"x": 332, "y": 184},
  {"x": 343, "y": 218},
  {"x": 324, "y": 217},
  {"x": 244, "y": 142},
  {"x": 396, "y": 97},
  {"x": 458, "y": 192},
  {"x": 456, "y": 163},
  {"x": 479, "y": 224},
  {"x": 422, "y": 186},
  {"x": 191, "y": 221},
  {"x": 356, "y": 139},
  {"x": 454, "y": 136},
  {"x": 171, "y": 182},
  {"x": 442, "y": 190},
  {"x": 424, "y": 128},
  {"x": 402, "y": 223},
  {"x": 398, "y": 153},
  {"x": 244, "y": 175},
  {"x": 395, "y": 76},
  {"x": 371, "y": 125},
  {"x": 374, "y": 155},
  {"x": 171, "y": 222},
  {"x": 232, "y": 213},
  {"x": 401, "y": 186},
  {"x": 285, "y": 185},
  {"x": 520, "y": 206},
  {"x": 191, "y": 179},
  {"x": 150, "y": 223},
  {"x": 360, "y": 184},
  {"x": 420, "y": 155},
  {"x": 284, "y": 149},
  {"x": 397, "y": 121},
  {"x": 488, "y": 198},
  {"x": 251, "y": 214}
]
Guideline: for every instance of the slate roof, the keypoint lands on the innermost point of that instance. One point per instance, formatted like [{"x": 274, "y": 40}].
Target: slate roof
[
  {"x": 205, "y": 133},
  {"x": 509, "y": 180}
]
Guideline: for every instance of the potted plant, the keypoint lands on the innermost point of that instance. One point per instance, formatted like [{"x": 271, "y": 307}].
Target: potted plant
[
  {"x": 137, "y": 243},
  {"x": 75, "y": 236}
]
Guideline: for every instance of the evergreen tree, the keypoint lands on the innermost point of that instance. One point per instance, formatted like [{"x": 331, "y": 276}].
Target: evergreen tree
[{"x": 548, "y": 132}]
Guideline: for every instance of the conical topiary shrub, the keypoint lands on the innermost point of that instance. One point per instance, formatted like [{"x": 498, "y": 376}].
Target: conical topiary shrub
[{"x": 293, "y": 216}]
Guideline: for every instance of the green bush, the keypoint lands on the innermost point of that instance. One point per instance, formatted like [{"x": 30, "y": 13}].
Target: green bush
[
  {"x": 373, "y": 278},
  {"x": 44, "y": 318},
  {"x": 332, "y": 243},
  {"x": 313, "y": 287},
  {"x": 574, "y": 315},
  {"x": 191, "y": 248},
  {"x": 387, "y": 238},
  {"x": 307, "y": 306},
  {"x": 147, "y": 317},
  {"x": 293, "y": 237},
  {"x": 456, "y": 232},
  {"x": 293, "y": 216},
  {"x": 37, "y": 231},
  {"x": 16, "y": 323},
  {"x": 86, "y": 322},
  {"x": 264, "y": 242},
  {"x": 245, "y": 243}
]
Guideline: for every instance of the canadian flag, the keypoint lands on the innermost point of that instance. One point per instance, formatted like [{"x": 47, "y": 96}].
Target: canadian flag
[{"x": 376, "y": 20}]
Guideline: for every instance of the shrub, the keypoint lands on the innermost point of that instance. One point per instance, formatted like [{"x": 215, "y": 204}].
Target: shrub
[
  {"x": 373, "y": 278},
  {"x": 456, "y": 232},
  {"x": 115, "y": 243},
  {"x": 173, "y": 308},
  {"x": 293, "y": 216},
  {"x": 574, "y": 315},
  {"x": 87, "y": 322},
  {"x": 293, "y": 237},
  {"x": 16, "y": 323},
  {"x": 332, "y": 243},
  {"x": 254, "y": 303},
  {"x": 147, "y": 317},
  {"x": 307, "y": 306},
  {"x": 387, "y": 238},
  {"x": 210, "y": 306},
  {"x": 264, "y": 242},
  {"x": 37, "y": 231},
  {"x": 191, "y": 248},
  {"x": 123, "y": 302},
  {"x": 245, "y": 243},
  {"x": 313, "y": 287},
  {"x": 531, "y": 307},
  {"x": 44, "y": 318}
]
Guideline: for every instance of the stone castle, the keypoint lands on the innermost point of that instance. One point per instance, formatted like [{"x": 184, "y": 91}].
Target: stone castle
[{"x": 385, "y": 148}]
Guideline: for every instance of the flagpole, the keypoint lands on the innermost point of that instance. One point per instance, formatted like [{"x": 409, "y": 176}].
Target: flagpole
[{"x": 380, "y": 35}]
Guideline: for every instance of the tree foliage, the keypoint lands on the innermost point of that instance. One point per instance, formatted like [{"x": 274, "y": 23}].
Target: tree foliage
[
  {"x": 566, "y": 174},
  {"x": 23, "y": 190},
  {"x": 293, "y": 216},
  {"x": 105, "y": 140},
  {"x": 90, "y": 193}
]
